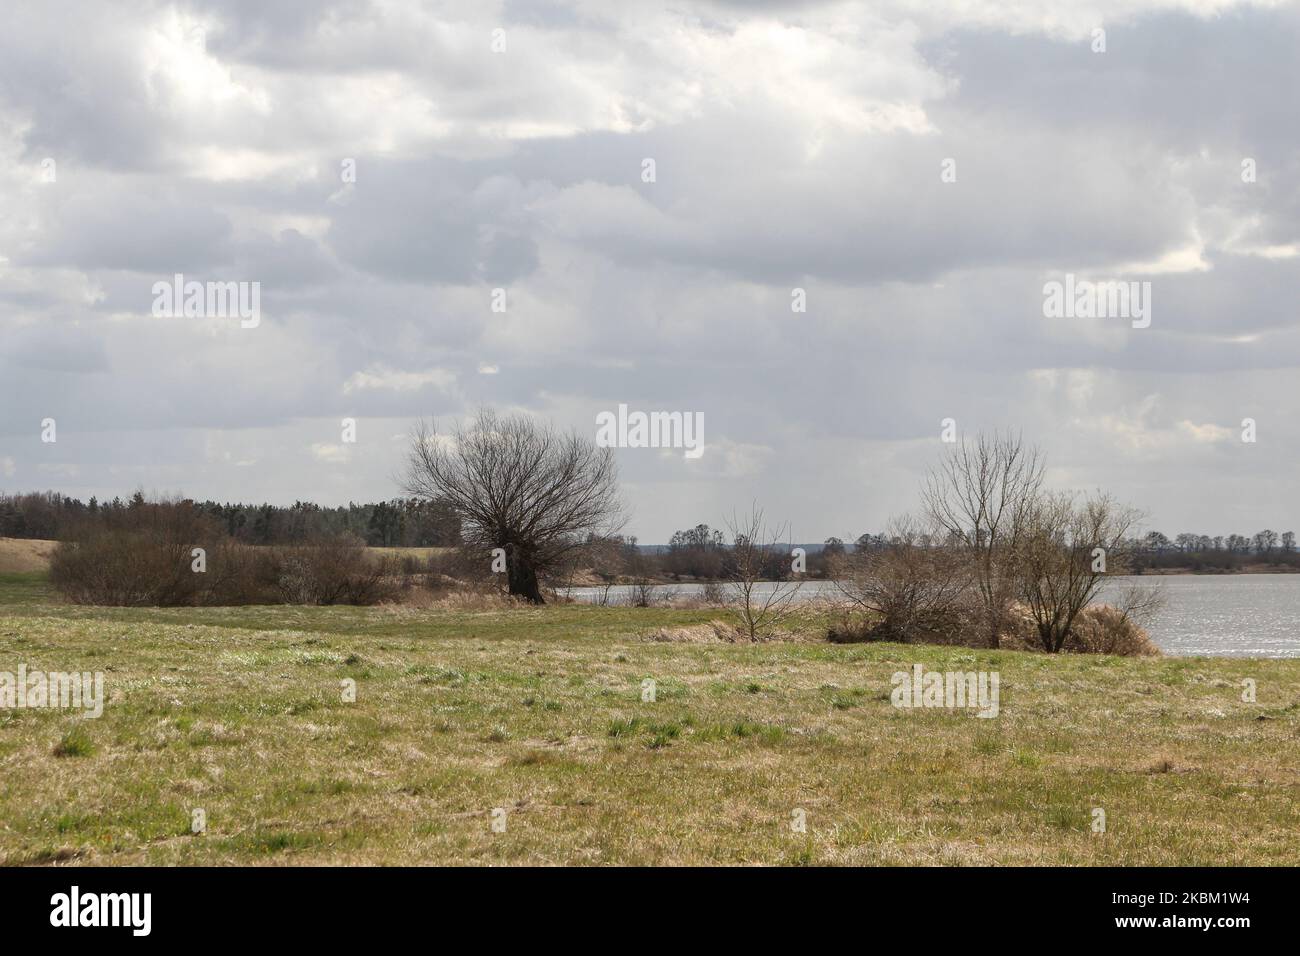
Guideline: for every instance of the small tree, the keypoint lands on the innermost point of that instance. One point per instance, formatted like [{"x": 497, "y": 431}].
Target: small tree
[
  {"x": 982, "y": 496},
  {"x": 523, "y": 487},
  {"x": 1069, "y": 548},
  {"x": 758, "y": 609}
]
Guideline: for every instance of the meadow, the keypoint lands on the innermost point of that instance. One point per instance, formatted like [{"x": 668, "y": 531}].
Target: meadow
[{"x": 239, "y": 712}]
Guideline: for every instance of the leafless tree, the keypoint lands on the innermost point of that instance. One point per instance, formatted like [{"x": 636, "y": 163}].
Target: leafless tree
[
  {"x": 758, "y": 608},
  {"x": 914, "y": 583},
  {"x": 641, "y": 592},
  {"x": 520, "y": 486},
  {"x": 981, "y": 497},
  {"x": 1070, "y": 547}
]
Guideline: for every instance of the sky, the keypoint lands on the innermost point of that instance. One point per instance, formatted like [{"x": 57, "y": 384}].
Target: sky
[{"x": 921, "y": 170}]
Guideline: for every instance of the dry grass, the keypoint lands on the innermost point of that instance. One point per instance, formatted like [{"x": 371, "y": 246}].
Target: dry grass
[
  {"x": 422, "y": 553},
  {"x": 711, "y": 632},
  {"x": 21, "y": 555},
  {"x": 725, "y": 632},
  {"x": 538, "y": 710}
]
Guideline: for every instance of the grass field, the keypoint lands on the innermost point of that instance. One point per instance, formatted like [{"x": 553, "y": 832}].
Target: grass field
[{"x": 239, "y": 712}]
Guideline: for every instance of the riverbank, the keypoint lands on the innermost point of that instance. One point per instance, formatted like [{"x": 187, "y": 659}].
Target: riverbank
[{"x": 542, "y": 713}]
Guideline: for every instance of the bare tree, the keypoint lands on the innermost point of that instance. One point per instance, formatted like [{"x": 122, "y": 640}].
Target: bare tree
[
  {"x": 1069, "y": 549},
  {"x": 758, "y": 609},
  {"x": 641, "y": 592},
  {"x": 1266, "y": 541},
  {"x": 981, "y": 496},
  {"x": 520, "y": 486},
  {"x": 914, "y": 582}
]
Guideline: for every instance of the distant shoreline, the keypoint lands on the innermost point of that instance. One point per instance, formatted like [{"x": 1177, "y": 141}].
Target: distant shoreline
[
  {"x": 588, "y": 583},
  {"x": 1253, "y": 569}
]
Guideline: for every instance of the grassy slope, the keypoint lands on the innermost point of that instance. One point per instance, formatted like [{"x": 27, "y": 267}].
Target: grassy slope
[
  {"x": 25, "y": 555},
  {"x": 238, "y": 711}
]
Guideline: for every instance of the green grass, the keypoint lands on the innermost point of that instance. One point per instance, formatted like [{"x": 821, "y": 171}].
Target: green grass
[
  {"x": 239, "y": 712},
  {"x": 75, "y": 743},
  {"x": 25, "y": 587}
]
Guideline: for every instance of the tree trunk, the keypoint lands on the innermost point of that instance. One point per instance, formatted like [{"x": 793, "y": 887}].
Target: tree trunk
[
  {"x": 522, "y": 579},
  {"x": 1048, "y": 638}
]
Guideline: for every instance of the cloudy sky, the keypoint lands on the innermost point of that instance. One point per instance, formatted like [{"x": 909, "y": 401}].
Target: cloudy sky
[{"x": 795, "y": 145}]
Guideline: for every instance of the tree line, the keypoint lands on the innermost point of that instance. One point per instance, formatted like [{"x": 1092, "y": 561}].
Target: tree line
[
  {"x": 1201, "y": 552},
  {"x": 702, "y": 553},
  {"x": 400, "y": 522}
]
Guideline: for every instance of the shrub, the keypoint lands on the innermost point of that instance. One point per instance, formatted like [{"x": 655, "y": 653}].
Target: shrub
[
  {"x": 143, "y": 557},
  {"x": 911, "y": 590},
  {"x": 1100, "y": 629},
  {"x": 641, "y": 593},
  {"x": 849, "y": 628},
  {"x": 958, "y": 624},
  {"x": 333, "y": 570},
  {"x": 1107, "y": 630}
]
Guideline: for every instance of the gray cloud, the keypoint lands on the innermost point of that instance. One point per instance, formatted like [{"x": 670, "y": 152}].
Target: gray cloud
[{"x": 795, "y": 145}]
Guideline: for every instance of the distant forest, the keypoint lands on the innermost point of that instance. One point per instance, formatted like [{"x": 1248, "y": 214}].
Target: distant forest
[{"x": 400, "y": 522}]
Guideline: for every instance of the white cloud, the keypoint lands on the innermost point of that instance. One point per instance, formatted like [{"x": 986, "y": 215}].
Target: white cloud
[
  {"x": 381, "y": 377},
  {"x": 331, "y": 454},
  {"x": 1206, "y": 433}
]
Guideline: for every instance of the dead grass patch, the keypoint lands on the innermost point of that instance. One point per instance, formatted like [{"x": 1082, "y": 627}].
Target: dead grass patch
[{"x": 22, "y": 555}]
